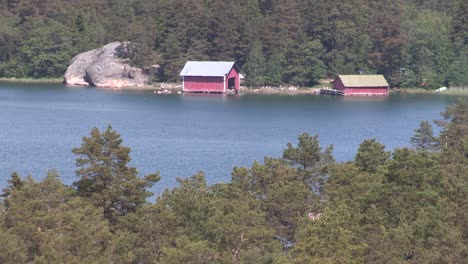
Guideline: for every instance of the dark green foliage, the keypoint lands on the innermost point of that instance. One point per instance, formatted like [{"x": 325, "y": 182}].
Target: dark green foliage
[
  {"x": 407, "y": 207},
  {"x": 454, "y": 126},
  {"x": 307, "y": 66},
  {"x": 430, "y": 51},
  {"x": 49, "y": 225},
  {"x": 286, "y": 189},
  {"x": 308, "y": 154},
  {"x": 371, "y": 154},
  {"x": 255, "y": 67},
  {"x": 280, "y": 191},
  {"x": 332, "y": 239},
  {"x": 275, "y": 69},
  {"x": 275, "y": 42},
  {"x": 15, "y": 183},
  {"x": 410, "y": 209},
  {"x": 198, "y": 223},
  {"x": 424, "y": 137},
  {"x": 12, "y": 249},
  {"x": 388, "y": 40},
  {"x": 313, "y": 163},
  {"x": 104, "y": 176}
]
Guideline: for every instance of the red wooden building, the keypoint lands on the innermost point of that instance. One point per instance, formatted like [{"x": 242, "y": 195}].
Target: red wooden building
[
  {"x": 210, "y": 76},
  {"x": 361, "y": 84}
]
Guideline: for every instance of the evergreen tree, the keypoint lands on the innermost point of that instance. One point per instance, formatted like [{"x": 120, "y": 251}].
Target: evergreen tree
[
  {"x": 255, "y": 67},
  {"x": 106, "y": 179},
  {"x": 429, "y": 48},
  {"x": 388, "y": 40},
  {"x": 308, "y": 153},
  {"x": 454, "y": 126},
  {"x": 47, "y": 223},
  {"x": 306, "y": 66},
  {"x": 371, "y": 154},
  {"x": 410, "y": 42},
  {"x": 275, "y": 69},
  {"x": 281, "y": 191},
  {"x": 410, "y": 207},
  {"x": 15, "y": 183},
  {"x": 331, "y": 239},
  {"x": 12, "y": 249},
  {"x": 424, "y": 137},
  {"x": 224, "y": 34}
]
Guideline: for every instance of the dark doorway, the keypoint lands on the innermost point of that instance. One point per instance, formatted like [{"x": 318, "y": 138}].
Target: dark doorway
[{"x": 232, "y": 83}]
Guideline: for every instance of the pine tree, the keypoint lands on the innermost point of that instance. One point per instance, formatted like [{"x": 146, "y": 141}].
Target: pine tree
[
  {"x": 308, "y": 153},
  {"x": 105, "y": 176},
  {"x": 305, "y": 64},
  {"x": 424, "y": 137},
  {"x": 454, "y": 128},
  {"x": 371, "y": 154},
  {"x": 15, "y": 183},
  {"x": 255, "y": 66},
  {"x": 275, "y": 69},
  {"x": 47, "y": 223}
]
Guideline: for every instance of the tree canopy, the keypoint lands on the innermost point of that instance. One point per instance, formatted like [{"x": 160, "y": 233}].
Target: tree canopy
[
  {"x": 413, "y": 43},
  {"x": 104, "y": 176},
  {"x": 400, "y": 206}
]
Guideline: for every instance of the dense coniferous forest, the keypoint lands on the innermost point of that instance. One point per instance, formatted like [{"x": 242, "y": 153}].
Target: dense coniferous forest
[
  {"x": 413, "y": 43},
  {"x": 404, "y": 206}
]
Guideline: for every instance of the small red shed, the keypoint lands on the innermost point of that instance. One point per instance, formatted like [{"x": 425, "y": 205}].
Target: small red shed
[
  {"x": 361, "y": 84},
  {"x": 210, "y": 76}
]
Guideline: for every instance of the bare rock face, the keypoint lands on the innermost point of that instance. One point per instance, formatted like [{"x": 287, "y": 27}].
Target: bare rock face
[{"x": 103, "y": 68}]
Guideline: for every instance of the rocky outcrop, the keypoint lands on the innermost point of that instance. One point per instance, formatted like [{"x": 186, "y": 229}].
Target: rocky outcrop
[{"x": 103, "y": 68}]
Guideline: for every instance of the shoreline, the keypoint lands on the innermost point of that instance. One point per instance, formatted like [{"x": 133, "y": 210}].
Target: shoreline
[
  {"x": 169, "y": 88},
  {"x": 31, "y": 80},
  {"x": 449, "y": 91},
  {"x": 176, "y": 88}
]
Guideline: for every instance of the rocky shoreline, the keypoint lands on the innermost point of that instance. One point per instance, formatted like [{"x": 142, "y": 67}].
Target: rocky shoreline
[
  {"x": 176, "y": 88},
  {"x": 281, "y": 91},
  {"x": 107, "y": 67}
]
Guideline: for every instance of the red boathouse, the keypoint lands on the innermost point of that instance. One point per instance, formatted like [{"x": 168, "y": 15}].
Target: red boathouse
[
  {"x": 210, "y": 76},
  {"x": 361, "y": 84}
]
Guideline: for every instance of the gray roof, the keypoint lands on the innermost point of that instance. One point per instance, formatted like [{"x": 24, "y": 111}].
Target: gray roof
[
  {"x": 207, "y": 68},
  {"x": 363, "y": 80}
]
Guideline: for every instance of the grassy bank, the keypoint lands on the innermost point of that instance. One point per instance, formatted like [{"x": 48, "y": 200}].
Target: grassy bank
[
  {"x": 450, "y": 91},
  {"x": 280, "y": 91},
  {"x": 31, "y": 80}
]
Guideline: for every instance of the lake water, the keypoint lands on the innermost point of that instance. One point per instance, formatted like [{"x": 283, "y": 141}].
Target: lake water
[{"x": 179, "y": 135}]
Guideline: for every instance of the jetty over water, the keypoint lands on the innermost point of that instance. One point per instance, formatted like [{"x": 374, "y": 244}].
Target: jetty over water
[{"x": 330, "y": 91}]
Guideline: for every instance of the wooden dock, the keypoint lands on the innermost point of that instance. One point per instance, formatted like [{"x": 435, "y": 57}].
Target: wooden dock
[{"x": 330, "y": 91}]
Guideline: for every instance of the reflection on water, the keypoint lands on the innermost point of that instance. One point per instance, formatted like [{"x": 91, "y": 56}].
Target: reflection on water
[{"x": 365, "y": 98}]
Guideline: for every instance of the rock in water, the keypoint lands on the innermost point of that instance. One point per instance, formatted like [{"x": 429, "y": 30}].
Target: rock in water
[{"x": 103, "y": 68}]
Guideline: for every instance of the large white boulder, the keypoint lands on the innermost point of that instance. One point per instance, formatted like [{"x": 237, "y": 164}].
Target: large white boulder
[{"x": 103, "y": 68}]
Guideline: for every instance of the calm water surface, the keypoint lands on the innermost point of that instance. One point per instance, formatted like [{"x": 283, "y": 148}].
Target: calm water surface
[{"x": 180, "y": 135}]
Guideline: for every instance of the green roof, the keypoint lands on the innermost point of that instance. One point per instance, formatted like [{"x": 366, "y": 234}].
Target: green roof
[{"x": 363, "y": 80}]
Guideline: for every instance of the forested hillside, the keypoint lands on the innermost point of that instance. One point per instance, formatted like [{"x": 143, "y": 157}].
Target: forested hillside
[
  {"x": 413, "y": 43},
  {"x": 405, "y": 206}
]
